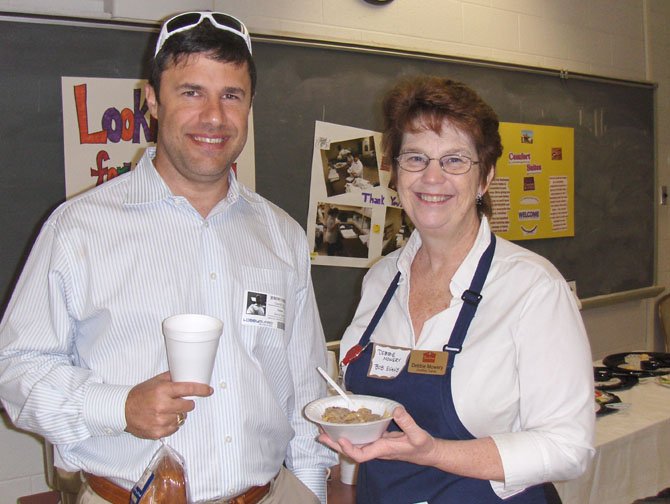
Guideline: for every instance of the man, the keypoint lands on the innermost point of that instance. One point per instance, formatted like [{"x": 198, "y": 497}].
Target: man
[
  {"x": 82, "y": 357},
  {"x": 256, "y": 307},
  {"x": 342, "y": 152},
  {"x": 355, "y": 166}
]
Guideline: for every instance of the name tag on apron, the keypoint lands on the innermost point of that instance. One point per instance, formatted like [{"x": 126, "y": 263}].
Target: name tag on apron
[
  {"x": 428, "y": 362},
  {"x": 387, "y": 362}
]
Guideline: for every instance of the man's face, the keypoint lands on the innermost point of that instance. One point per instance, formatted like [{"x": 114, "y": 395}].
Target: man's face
[{"x": 202, "y": 121}]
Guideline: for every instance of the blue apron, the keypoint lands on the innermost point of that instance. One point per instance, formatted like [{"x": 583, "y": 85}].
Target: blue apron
[{"x": 429, "y": 400}]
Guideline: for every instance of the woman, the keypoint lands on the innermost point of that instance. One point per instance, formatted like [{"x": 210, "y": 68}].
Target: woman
[
  {"x": 494, "y": 404},
  {"x": 332, "y": 232}
]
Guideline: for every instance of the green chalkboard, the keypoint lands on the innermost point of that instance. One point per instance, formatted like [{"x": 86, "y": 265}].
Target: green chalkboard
[{"x": 301, "y": 82}]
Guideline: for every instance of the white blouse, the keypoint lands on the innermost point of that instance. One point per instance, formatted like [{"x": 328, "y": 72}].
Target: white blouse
[{"x": 524, "y": 376}]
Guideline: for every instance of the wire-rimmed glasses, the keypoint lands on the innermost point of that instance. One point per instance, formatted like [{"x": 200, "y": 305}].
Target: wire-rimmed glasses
[{"x": 456, "y": 164}]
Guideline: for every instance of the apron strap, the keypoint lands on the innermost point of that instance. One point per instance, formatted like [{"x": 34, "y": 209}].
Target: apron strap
[
  {"x": 365, "y": 339},
  {"x": 471, "y": 298},
  {"x": 356, "y": 350}
]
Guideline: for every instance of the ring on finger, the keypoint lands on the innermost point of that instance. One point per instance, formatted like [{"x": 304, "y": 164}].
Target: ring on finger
[{"x": 181, "y": 418}]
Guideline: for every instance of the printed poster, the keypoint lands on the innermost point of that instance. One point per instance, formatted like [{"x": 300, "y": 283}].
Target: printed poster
[
  {"x": 107, "y": 126},
  {"x": 354, "y": 214},
  {"x": 533, "y": 190}
]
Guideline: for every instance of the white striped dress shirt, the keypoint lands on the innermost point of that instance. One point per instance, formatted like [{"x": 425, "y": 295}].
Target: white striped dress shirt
[{"x": 84, "y": 326}]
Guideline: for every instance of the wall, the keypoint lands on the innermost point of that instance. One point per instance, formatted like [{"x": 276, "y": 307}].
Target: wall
[
  {"x": 21, "y": 463},
  {"x": 625, "y": 39}
]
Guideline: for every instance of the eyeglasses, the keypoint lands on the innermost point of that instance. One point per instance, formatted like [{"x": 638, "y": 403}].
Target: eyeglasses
[
  {"x": 187, "y": 20},
  {"x": 456, "y": 164}
]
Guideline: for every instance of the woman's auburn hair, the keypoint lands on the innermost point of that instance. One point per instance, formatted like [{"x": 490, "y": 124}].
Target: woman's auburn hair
[{"x": 424, "y": 102}]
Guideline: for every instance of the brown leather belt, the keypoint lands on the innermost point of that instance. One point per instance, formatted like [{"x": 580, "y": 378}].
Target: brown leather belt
[
  {"x": 109, "y": 491},
  {"x": 251, "y": 496},
  {"x": 115, "y": 494}
]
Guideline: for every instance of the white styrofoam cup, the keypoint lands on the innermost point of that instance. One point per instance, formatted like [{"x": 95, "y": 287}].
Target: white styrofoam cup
[{"x": 192, "y": 341}]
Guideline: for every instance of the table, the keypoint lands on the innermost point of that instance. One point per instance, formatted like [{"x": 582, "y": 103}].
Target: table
[
  {"x": 352, "y": 246},
  {"x": 632, "y": 459},
  {"x": 338, "y": 492},
  {"x": 41, "y": 498}
]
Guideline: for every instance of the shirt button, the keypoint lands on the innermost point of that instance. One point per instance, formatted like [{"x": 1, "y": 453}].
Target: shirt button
[
  {"x": 206, "y": 224},
  {"x": 108, "y": 431},
  {"x": 228, "y": 439},
  {"x": 212, "y": 275},
  {"x": 223, "y": 385}
]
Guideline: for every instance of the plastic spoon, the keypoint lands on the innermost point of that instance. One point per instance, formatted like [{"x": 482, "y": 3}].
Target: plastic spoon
[{"x": 337, "y": 388}]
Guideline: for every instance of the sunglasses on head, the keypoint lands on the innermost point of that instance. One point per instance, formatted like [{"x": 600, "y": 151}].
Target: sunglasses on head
[{"x": 188, "y": 20}]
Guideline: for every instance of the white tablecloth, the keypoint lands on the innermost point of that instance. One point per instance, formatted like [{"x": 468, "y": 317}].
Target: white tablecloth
[{"x": 632, "y": 458}]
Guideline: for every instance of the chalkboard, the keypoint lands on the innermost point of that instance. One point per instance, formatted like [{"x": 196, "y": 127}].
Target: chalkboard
[{"x": 302, "y": 82}]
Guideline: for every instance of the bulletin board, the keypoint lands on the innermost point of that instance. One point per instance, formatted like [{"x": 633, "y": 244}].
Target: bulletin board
[{"x": 300, "y": 82}]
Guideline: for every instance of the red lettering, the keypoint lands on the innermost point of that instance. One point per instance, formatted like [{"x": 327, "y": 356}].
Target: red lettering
[
  {"x": 99, "y": 171},
  {"x": 99, "y": 137},
  {"x": 104, "y": 173}
]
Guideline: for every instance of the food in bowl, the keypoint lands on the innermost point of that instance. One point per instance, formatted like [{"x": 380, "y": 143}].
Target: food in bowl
[
  {"x": 338, "y": 414},
  {"x": 357, "y": 433}
]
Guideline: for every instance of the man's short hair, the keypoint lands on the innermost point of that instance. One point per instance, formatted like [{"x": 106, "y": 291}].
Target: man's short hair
[{"x": 205, "y": 39}]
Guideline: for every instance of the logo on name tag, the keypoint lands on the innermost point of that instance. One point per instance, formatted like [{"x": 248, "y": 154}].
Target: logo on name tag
[{"x": 428, "y": 362}]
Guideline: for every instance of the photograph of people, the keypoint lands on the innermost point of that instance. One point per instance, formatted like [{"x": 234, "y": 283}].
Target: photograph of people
[
  {"x": 82, "y": 355},
  {"x": 509, "y": 407},
  {"x": 342, "y": 230},
  {"x": 350, "y": 166},
  {"x": 397, "y": 229}
]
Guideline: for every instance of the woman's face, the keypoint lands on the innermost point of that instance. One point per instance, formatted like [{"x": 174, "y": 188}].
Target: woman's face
[{"x": 439, "y": 203}]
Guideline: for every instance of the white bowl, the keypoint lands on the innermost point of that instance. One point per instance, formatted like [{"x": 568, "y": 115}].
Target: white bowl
[{"x": 356, "y": 433}]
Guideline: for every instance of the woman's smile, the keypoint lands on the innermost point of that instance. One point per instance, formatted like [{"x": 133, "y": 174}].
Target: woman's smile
[{"x": 432, "y": 198}]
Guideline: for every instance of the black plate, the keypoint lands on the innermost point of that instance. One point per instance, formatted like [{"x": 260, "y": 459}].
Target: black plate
[
  {"x": 616, "y": 361},
  {"x": 600, "y": 405},
  {"x": 622, "y": 381}
]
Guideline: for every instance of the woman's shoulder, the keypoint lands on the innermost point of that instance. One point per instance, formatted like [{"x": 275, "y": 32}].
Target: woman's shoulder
[
  {"x": 384, "y": 269},
  {"x": 524, "y": 261}
]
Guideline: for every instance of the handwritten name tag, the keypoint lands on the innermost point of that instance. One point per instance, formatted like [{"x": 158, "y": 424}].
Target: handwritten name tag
[{"x": 387, "y": 362}]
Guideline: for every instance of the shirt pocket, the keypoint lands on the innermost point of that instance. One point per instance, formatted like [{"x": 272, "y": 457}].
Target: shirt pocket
[{"x": 263, "y": 328}]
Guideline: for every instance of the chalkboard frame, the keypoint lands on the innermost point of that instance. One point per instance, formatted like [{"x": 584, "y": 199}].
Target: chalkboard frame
[{"x": 301, "y": 81}]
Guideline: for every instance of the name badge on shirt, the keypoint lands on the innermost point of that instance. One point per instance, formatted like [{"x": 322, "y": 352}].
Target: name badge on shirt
[
  {"x": 428, "y": 362},
  {"x": 262, "y": 309},
  {"x": 387, "y": 362}
]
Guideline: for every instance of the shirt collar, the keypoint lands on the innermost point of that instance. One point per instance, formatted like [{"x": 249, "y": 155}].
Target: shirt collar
[
  {"x": 465, "y": 272},
  {"x": 147, "y": 186},
  {"x": 408, "y": 253}
]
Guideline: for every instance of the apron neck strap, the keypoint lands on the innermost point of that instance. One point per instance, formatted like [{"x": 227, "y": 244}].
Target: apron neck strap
[
  {"x": 365, "y": 339},
  {"x": 471, "y": 298}
]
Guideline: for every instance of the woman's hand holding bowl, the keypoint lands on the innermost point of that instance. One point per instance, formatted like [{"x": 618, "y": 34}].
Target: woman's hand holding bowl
[{"x": 410, "y": 444}]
